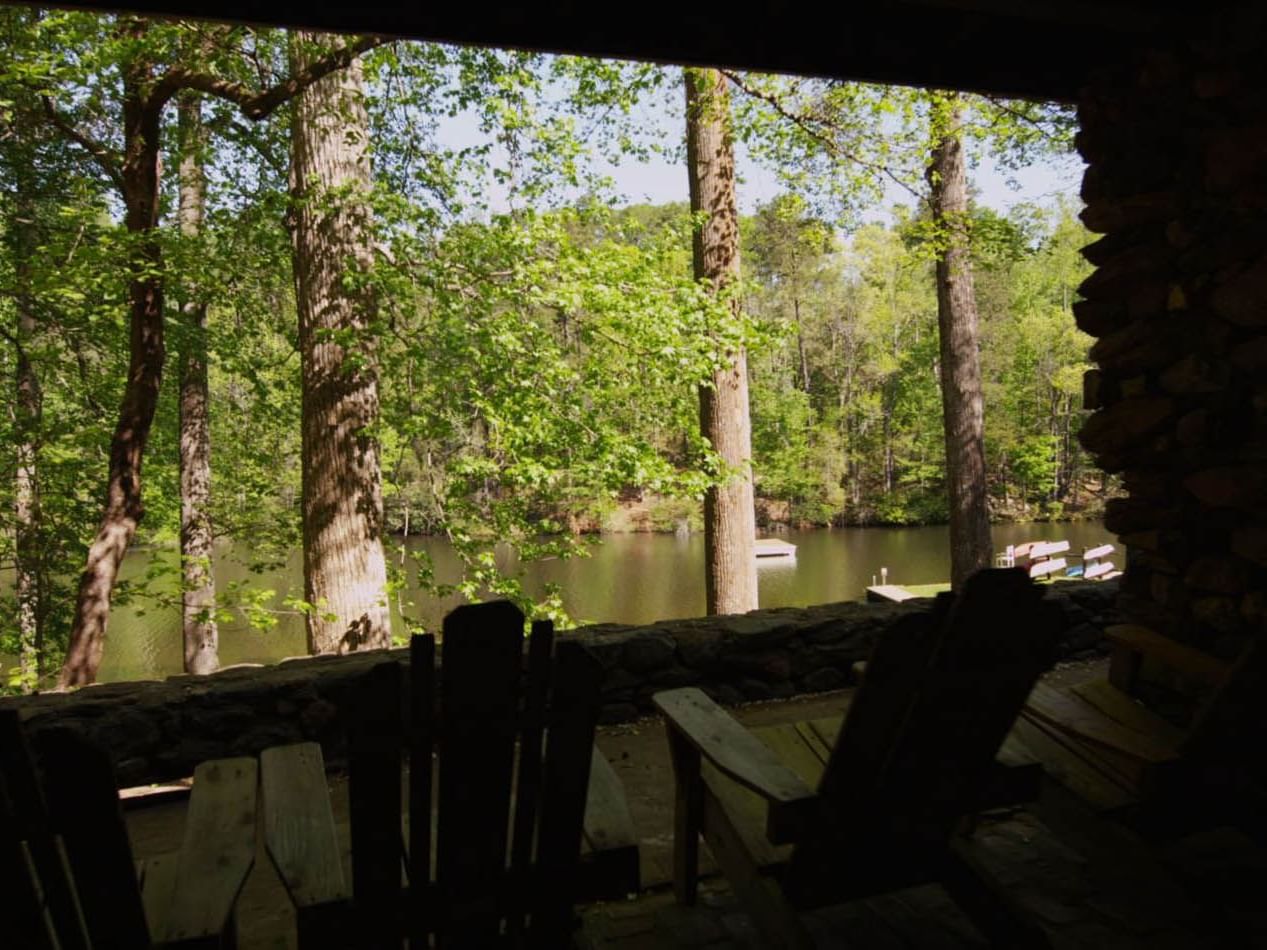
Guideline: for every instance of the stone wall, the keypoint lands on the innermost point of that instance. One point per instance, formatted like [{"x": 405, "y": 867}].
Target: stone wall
[
  {"x": 1176, "y": 141},
  {"x": 161, "y": 730}
]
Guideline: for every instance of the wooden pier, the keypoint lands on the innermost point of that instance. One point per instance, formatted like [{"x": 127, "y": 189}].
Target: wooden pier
[{"x": 772, "y": 547}]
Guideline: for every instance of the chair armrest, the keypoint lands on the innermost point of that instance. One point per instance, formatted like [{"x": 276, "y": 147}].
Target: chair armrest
[
  {"x": 738, "y": 754},
  {"x": 1132, "y": 639}
]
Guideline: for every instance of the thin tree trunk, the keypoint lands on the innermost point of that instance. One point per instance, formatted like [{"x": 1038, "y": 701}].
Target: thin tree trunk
[
  {"x": 800, "y": 345},
  {"x": 123, "y": 505},
  {"x": 29, "y": 586},
  {"x": 198, "y": 586},
  {"x": 729, "y": 518},
  {"x": 345, "y": 572},
  {"x": 963, "y": 414}
]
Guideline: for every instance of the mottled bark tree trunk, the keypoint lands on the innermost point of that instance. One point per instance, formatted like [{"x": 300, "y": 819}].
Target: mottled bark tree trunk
[
  {"x": 198, "y": 586},
  {"x": 123, "y": 505},
  {"x": 729, "y": 519},
  {"x": 963, "y": 414},
  {"x": 345, "y": 572},
  {"x": 29, "y": 586}
]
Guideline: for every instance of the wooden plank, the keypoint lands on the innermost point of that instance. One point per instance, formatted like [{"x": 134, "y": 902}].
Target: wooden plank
[
  {"x": 1099, "y": 551},
  {"x": 374, "y": 803},
  {"x": 528, "y": 778},
  {"x": 574, "y": 702},
  {"x": 26, "y": 923},
  {"x": 30, "y": 815},
  {"x": 747, "y": 813},
  {"x": 734, "y": 840},
  {"x": 1193, "y": 664},
  {"x": 1076, "y": 718},
  {"x": 422, "y": 738},
  {"x": 1119, "y": 707},
  {"x": 1070, "y": 769},
  {"x": 216, "y": 854},
  {"x": 480, "y": 678},
  {"x": 300, "y": 837},
  {"x": 803, "y": 756},
  {"x": 730, "y": 747},
  {"x": 611, "y": 866},
  {"x": 84, "y": 807},
  {"x": 157, "y": 875}
]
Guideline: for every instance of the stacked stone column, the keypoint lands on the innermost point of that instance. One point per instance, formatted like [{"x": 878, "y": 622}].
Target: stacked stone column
[{"x": 1176, "y": 141}]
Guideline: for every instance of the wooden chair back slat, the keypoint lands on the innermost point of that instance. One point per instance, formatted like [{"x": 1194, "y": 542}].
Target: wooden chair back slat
[
  {"x": 528, "y": 781},
  {"x": 374, "y": 801},
  {"x": 479, "y": 692},
  {"x": 569, "y": 747},
  {"x": 83, "y": 804},
  {"x": 422, "y": 673},
  {"x": 26, "y": 923}
]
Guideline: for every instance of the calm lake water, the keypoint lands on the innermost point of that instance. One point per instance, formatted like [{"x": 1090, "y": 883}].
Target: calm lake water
[{"x": 628, "y": 578}]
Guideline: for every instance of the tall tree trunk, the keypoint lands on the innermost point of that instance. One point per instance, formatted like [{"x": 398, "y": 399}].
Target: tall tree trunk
[
  {"x": 963, "y": 414},
  {"x": 345, "y": 572},
  {"x": 123, "y": 505},
  {"x": 29, "y": 583},
  {"x": 729, "y": 518},
  {"x": 198, "y": 585}
]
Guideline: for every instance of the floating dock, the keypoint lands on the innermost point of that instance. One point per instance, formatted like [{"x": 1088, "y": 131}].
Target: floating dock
[
  {"x": 772, "y": 547},
  {"x": 890, "y": 593}
]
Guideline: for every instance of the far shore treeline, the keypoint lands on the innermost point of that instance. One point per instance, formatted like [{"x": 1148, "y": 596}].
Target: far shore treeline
[{"x": 252, "y": 292}]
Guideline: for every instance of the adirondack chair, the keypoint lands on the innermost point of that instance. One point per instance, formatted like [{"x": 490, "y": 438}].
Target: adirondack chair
[
  {"x": 514, "y": 753},
  {"x": 917, "y": 745},
  {"x": 1118, "y": 755},
  {"x": 95, "y": 897}
]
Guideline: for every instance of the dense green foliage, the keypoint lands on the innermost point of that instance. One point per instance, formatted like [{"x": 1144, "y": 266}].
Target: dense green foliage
[{"x": 538, "y": 357}]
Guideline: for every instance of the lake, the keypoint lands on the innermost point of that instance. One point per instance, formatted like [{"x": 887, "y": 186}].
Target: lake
[{"x": 628, "y": 578}]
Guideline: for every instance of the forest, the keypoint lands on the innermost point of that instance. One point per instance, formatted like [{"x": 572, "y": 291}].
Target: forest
[{"x": 249, "y": 291}]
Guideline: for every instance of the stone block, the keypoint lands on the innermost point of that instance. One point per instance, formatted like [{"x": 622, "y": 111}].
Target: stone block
[
  {"x": 1242, "y": 300},
  {"x": 1219, "y": 575},
  {"x": 674, "y": 677},
  {"x": 1099, "y": 317},
  {"x": 1230, "y": 486},
  {"x": 1250, "y": 542},
  {"x": 754, "y": 631},
  {"x": 770, "y": 666},
  {"x": 754, "y": 690},
  {"x": 1125, "y": 423},
  {"x": 1131, "y": 211},
  {"x": 699, "y": 648},
  {"x": 1195, "y": 374},
  {"x": 1221, "y": 614},
  {"x": 823, "y": 679},
  {"x": 647, "y": 651}
]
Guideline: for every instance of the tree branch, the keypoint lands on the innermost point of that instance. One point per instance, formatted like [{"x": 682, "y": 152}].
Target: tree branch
[
  {"x": 808, "y": 126},
  {"x": 259, "y": 105},
  {"x": 105, "y": 157}
]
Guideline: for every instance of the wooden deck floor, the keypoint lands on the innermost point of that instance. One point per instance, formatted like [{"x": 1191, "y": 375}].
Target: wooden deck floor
[{"x": 1091, "y": 882}]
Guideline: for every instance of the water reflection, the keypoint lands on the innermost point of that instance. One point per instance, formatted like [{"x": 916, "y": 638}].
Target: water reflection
[{"x": 634, "y": 578}]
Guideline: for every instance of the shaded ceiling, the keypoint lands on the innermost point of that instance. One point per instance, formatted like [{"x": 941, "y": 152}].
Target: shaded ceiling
[{"x": 1033, "y": 48}]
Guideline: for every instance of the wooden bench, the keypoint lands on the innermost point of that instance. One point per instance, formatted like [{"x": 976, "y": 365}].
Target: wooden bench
[
  {"x": 526, "y": 819},
  {"x": 97, "y": 896},
  {"x": 1098, "y": 740},
  {"x": 794, "y": 826}
]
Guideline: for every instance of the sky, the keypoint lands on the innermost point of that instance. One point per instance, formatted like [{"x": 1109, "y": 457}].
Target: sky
[{"x": 661, "y": 180}]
